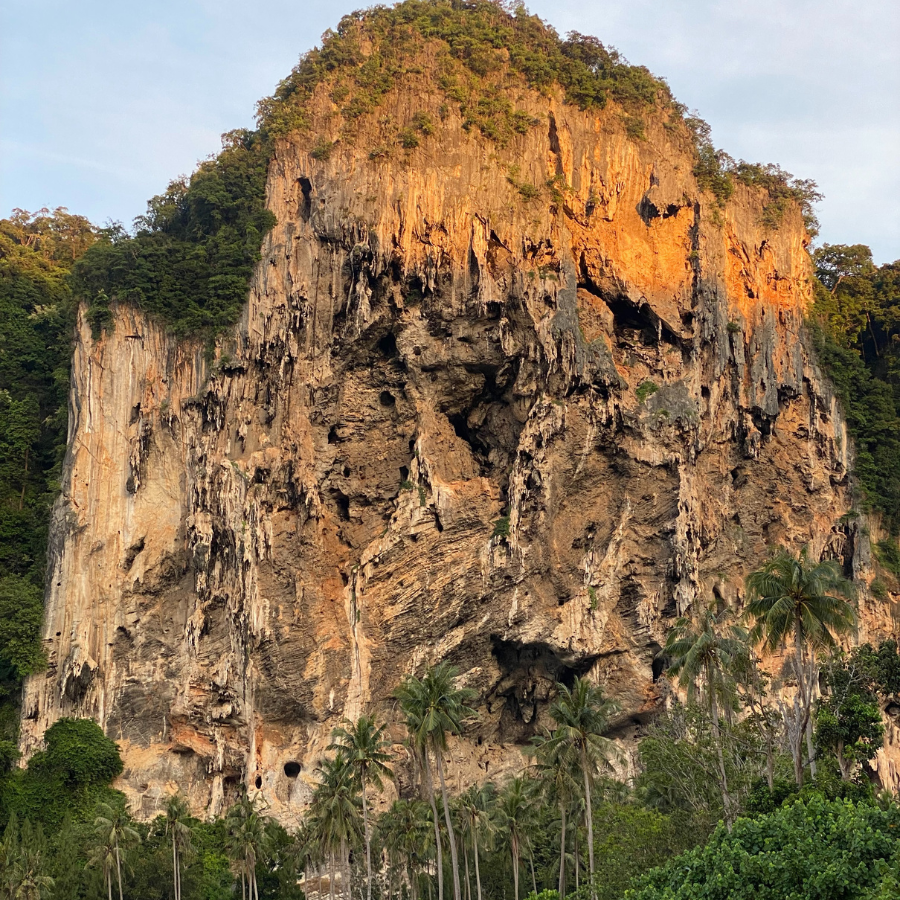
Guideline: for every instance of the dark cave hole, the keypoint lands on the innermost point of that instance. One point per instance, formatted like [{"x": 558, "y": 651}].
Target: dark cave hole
[
  {"x": 659, "y": 664},
  {"x": 333, "y": 435},
  {"x": 292, "y": 769},
  {"x": 346, "y": 471},
  {"x": 306, "y": 192},
  {"x": 530, "y": 673},
  {"x": 258, "y": 782},
  {"x": 343, "y": 505},
  {"x": 388, "y": 345},
  {"x": 386, "y": 398},
  {"x": 404, "y": 473}
]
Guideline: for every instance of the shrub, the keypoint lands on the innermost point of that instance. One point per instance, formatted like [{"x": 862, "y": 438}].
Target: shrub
[
  {"x": 322, "y": 149},
  {"x": 645, "y": 390},
  {"x": 190, "y": 260},
  {"x": 810, "y": 849},
  {"x": 408, "y": 139},
  {"x": 501, "y": 528}
]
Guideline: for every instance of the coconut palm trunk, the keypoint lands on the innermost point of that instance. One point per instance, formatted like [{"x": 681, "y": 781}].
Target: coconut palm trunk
[
  {"x": 429, "y": 786},
  {"x": 468, "y": 870},
  {"x": 514, "y": 847},
  {"x": 454, "y": 862},
  {"x": 365, "y": 810},
  {"x": 119, "y": 867},
  {"x": 477, "y": 869},
  {"x": 562, "y": 851},
  {"x": 720, "y": 753},
  {"x": 588, "y": 817},
  {"x": 175, "y": 868}
]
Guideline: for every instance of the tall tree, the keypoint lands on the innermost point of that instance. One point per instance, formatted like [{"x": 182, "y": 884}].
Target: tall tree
[
  {"x": 475, "y": 809},
  {"x": 23, "y": 861},
  {"x": 435, "y": 708},
  {"x": 334, "y": 812},
  {"x": 515, "y": 814},
  {"x": 703, "y": 656},
  {"x": 808, "y": 603},
  {"x": 247, "y": 840},
  {"x": 363, "y": 744},
  {"x": 558, "y": 768},
  {"x": 179, "y": 828},
  {"x": 582, "y": 714},
  {"x": 113, "y": 832},
  {"x": 406, "y": 831}
]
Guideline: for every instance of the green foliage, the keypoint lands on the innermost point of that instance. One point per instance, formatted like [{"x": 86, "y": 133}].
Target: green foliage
[
  {"x": 69, "y": 776},
  {"x": 21, "y": 614},
  {"x": 855, "y": 326},
  {"x": 717, "y": 173},
  {"x": 645, "y": 390},
  {"x": 888, "y": 554},
  {"x": 501, "y": 528},
  {"x": 322, "y": 149},
  {"x": 783, "y": 190},
  {"x": 475, "y": 44},
  {"x": 812, "y": 849},
  {"x": 190, "y": 260}
]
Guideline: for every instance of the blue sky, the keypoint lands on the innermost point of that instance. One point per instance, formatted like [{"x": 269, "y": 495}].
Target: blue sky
[{"x": 103, "y": 103}]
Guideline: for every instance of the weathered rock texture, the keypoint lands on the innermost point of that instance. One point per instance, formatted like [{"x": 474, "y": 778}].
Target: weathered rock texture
[{"x": 455, "y": 423}]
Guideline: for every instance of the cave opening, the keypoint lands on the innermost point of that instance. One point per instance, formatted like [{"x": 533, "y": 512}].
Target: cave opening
[{"x": 292, "y": 768}]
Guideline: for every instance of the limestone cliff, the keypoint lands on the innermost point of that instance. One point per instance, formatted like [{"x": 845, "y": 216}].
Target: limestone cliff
[{"x": 466, "y": 416}]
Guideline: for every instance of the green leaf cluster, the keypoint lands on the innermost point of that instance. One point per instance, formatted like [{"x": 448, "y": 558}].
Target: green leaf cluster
[
  {"x": 855, "y": 326},
  {"x": 810, "y": 849},
  {"x": 190, "y": 260},
  {"x": 475, "y": 43}
]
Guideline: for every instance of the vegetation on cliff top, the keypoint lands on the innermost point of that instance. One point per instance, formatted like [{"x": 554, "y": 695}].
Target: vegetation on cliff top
[{"x": 190, "y": 258}]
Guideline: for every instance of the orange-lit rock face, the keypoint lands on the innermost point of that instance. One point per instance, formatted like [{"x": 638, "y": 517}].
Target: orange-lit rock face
[{"x": 457, "y": 422}]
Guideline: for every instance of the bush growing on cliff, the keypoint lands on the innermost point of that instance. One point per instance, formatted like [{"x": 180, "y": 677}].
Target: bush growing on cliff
[{"x": 190, "y": 260}]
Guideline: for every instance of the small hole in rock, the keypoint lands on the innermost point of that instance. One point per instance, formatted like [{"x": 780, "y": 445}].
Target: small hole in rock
[
  {"x": 292, "y": 769},
  {"x": 258, "y": 782},
  {"x": 346, "y": 471},
  {"x": 386, "y": 398},
  {"x": 404, "y": 473},
  {"x": 388, "y": 345}
]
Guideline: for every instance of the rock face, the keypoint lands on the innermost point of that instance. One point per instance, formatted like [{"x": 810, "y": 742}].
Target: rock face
[{"x": 518, "y": 408}]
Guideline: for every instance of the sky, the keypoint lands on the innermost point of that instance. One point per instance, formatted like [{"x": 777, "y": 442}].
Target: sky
[{"x": 103, "y": 103}]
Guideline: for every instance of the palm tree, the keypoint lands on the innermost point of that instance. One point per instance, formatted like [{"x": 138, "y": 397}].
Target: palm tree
[
  {"x": 247, "y": 841},
  {"x": 475, "y": 811},
  {"x": 113, "y": 831},
  {"x": 582, "y": 714},
  {"x": 406, "y": 833},
  {"x": 704, "y": 656},
  {"x": 22, "y": 862},
  {"x": 558, "y": 771},
  {"x": 435, "y": 708},
  {"x": 515, "y": 815},
  {"x": 334, "y": 811},
  {"x": 363, "y": 745},
  {"x": 808, "y": 603},
  {"x": 178, "y": 825}
]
